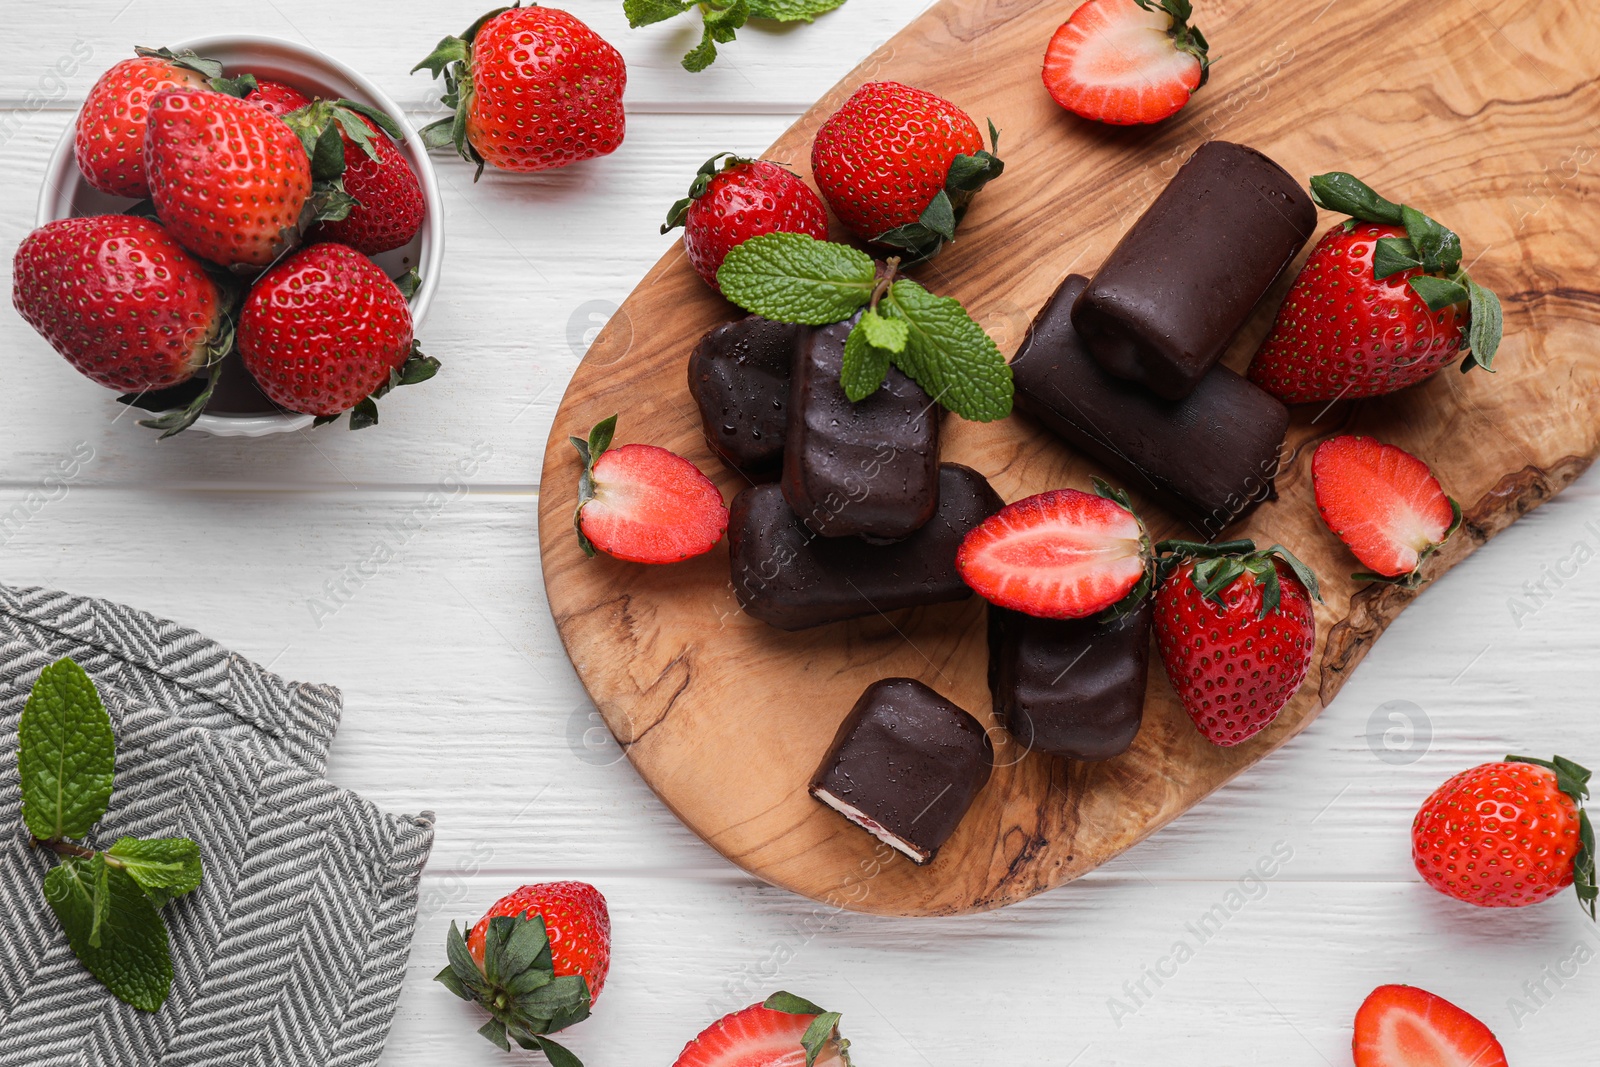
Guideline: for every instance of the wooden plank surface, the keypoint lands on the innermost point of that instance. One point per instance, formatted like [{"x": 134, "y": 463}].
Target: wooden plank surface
[
  {"x": 727, "y": 718},
  {"x": 482, "y": 713}
]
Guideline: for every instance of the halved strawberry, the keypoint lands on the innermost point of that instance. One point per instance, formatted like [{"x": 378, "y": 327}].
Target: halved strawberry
[
  {"x": 1383, "y": 503},
  {"x": 1063, "y": 554},
  {"x": 786, "y": 1031},
  {"x": 1126, "y": 62},
  {"x": 642, "y": 503},
  {"x": 1402, "y": 1026}
]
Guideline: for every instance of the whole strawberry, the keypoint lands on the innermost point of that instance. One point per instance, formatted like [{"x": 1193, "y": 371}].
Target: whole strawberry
[
  {"x": 899, "y": 166},
  {"x": 1236, "y": 631},
  {"x": 326, "y": 331},
  {"x": 276, "y": 98},
  {"x": 740, "y": 199},
  {"x": 535, "y": 962},
  {"x": 387, "y": 206},
  {"x": 533, "y": 88},
  {"x": 1382, "y": 303},
  {"x": 121, "y": 300},
  {"x": 1506, "y": 835},
  {"x": 228, "y": 179},
  {"x": 109, "y": 137}
]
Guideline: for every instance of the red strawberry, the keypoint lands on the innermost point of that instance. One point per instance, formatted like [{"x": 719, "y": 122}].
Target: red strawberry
[
  {"x": 1127, "y": 62},
  {"x": 1402, "y": 1026},
  {"x": 535, "y": 963},
  {"x": 121, "y": 300},
  {"x": 575, "y": 920},
  {"x": 326, "y": 331},
  {"x": 1383, "y": 503},
  {"x": 768, "y": 1035},
  {"x": 899, "y": 166},
  {"x": 109, "y": 138},
  {"x": 276, "y": 98},
  {"x": 1506, "y": 835},
  {"x": 1235, "y": 630},
  {"x": 643, "y": 504},
  {"x": 743, "y": 199},
  {"x": 1382, "y": 303},
  {"x": 1063, "y": 554},
  {"x": 389, "y": 206},
  {"x": 537, "y": 88},
  {"x": 227, "y": 179}
]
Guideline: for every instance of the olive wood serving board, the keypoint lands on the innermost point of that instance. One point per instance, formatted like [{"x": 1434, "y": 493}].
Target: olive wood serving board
[{"x": 1483, "y": 114}]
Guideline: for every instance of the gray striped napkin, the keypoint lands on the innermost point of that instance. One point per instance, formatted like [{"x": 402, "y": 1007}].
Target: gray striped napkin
[{"x": 293, "y": 949}]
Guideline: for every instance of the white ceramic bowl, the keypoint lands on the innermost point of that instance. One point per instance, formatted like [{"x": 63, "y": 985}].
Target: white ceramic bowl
[{"x": 66, "y": 194}]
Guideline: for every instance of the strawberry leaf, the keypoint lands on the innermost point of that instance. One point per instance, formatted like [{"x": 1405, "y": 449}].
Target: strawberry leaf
[
  {"x": 1393, "y": 255},
  {"x": 1485, "y": 329},
  {"x": 792, "y": 277},
  {"x": 1350, "y": 195},
  {"x": 185, "y": 59},
  {"x": 589, "y": 451},
  {"x": 239, "y": 87},
  {"x": 1438, "y": 293},
  {"x": 790, "y": 1004},
  {"x": 1438, "y": 248}
]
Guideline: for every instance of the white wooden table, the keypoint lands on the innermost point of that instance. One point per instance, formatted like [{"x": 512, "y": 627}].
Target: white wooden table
[{"x": 460, "y": 700}]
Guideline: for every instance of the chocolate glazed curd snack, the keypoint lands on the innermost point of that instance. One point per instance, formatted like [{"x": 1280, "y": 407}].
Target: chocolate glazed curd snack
[
  {"x": 739, "y": 377},
  {"x": 1183, "y": 280},
  {"x": 905, "y": 766},
  {"x": 1211, "y": 457}
]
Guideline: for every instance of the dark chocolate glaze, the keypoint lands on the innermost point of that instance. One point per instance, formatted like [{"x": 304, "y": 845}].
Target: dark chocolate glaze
[
  {"x": 1186, "y": 276},
  {"x": 1211, "y": 457},
  {"x": 909, "y": 760},
  {"x": 788, "y": 577},
  {"x": 739, "y": 377},
  {"x": 868, "y": 469},
  {"x": 1070, "y": 687}
]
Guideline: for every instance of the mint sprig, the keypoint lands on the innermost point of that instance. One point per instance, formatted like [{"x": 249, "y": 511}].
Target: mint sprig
[
  {"x": 106, "y": 902},
  {"x": 722, "y": 19},
  {"x": 790, "y": 277}
]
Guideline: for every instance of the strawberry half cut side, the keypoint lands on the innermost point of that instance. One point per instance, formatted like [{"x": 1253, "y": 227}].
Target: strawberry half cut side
[
  {"x": 517, "y": 986},
  {"x": 1384, "y": 504},
  {"x": 643, "y": 504},
  {"x": 1127, "y": 62},
  {"x": 1062, "y": 554},
  {"x": 783, "y": 1031},
  {"x": 1402, "y": 1026}
]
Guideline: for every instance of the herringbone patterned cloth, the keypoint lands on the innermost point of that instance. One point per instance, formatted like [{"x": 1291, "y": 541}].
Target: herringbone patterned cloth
[{"x": 293, "y": 949}]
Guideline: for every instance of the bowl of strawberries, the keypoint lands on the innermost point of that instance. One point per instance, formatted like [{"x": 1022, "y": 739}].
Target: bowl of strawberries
[{"x": 238, "y": 234}]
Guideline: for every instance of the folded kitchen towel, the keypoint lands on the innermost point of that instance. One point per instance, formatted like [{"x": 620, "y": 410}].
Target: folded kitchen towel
[{"x": 293, "y": 949}]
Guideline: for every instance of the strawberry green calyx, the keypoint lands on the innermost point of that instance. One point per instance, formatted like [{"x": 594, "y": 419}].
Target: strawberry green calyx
[
  {"x": 322, "y": 127},
  {"x": 451, "y": 59},
  {"x": 179, "y": 416},
  {"x": 590, "y": 452},
  {"x": 517, "y": 986},
  {"x": 702, "y": 180},
  {"x": 926, "y": 238},
  {"x": 186, "y": 59},
  {"x": 1146, "y": 584},
  {"x": 1573, "y": 780},
  {"x": 1414, "y": 580},
  {"x": 418, "y": 367},
  {"x": 1217, "y": 566},
  {"x": 821, "y": 1030},
  {"x": 1428, "y": 245},
  {"x": 1185, "y": 38}
]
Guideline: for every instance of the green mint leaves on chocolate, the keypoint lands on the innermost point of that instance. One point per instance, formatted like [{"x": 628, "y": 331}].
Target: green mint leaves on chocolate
[
  {"x": 517, "y": 986},
  {"x": 106, "y": 901},
  {"x": 722, "y": 19},
  {"x": 1573, "y": 780},
  {"x": 923, "y": 239},
  {"x": 790, "y": 277},
  {"x": 815, "y": 1039},
  {"x": 1428, "y": 245}
]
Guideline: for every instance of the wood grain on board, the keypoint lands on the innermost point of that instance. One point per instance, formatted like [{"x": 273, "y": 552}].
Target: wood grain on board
[{"x": 1484, "y": 118}]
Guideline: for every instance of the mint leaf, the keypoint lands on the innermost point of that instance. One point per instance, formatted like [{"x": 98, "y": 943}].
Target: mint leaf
[
  {"x": 66, "y": 754},
  {"x": 164, "y": 867},
  {"x": 701, "y": 55},
  {"x": 112, "y": 929},
  {"x": 865, "y": 364},
  {"x": 646, "y": 12},
  {"x": 791, "y": 10},
  {"x": 950, "y": 355},
  {"x": 885, "y": 333},
  {"x": 792, "y": 277}
]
